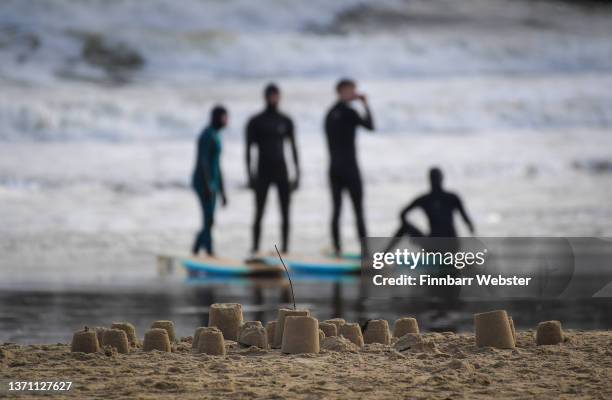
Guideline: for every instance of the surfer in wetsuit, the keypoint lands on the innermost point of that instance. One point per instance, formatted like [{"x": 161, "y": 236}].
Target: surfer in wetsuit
[
  {"x": 207, "y": 179},
  {"x": 341, "y": 125},
  {"x": 439, "y": 207},
  {"x": 268, "y": 131}
]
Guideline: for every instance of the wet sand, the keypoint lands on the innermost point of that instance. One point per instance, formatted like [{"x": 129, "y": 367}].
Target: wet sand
[{"x": 448, "y": 366}]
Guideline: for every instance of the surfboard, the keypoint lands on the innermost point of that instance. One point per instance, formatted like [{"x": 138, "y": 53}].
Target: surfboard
[
  {"x": 310, "y": 265},
  {"x": 265, "y": 258},
  {"x": 221, "y": 266},
  {"x": 322, "y": 265},
  {"x": 344, "y": 256}
]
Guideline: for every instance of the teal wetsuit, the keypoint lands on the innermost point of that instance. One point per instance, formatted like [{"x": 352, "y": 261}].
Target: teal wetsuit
[{"x": 207, "y": 174}]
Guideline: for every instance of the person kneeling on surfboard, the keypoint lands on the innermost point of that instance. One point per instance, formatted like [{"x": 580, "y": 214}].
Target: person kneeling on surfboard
[
  {"x": 439, "y": 206},
  {"x": 207, "y": 180}
]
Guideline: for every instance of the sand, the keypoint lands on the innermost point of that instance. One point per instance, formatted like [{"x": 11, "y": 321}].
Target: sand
[{"x": 453, "y": 368}]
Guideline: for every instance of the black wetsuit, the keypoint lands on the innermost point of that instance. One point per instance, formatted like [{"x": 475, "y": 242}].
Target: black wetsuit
[
  {"x": 268, "y": 131},
  {"x": 439, "y": 207},
  {"x": 341, "y": 125}
]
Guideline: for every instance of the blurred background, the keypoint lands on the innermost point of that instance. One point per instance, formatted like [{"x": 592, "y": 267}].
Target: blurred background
[{"x": 102, "y": 101}]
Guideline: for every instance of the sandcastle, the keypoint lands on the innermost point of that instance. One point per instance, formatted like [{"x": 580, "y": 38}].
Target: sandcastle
[
  {"x": 493, "y": 330},
  {"x": 196, "y": 336},
  {"x": 85, "y": 341},
  {"x": 336, "y": 321},
  {"x": 100, "y": 333},
  {"x": 280, "y": 323},
  {"x": 129, "y": 330},
  {"x": 405, "y": 325},
  {"x": 511, "y": 321},
  {"x": 301, "y": 335},
  {"x": 329, "y": 329},
  {"x": 412, "y": 342},
  {"x": 116, "y": 338},
  {"x": 549, "y": 332},
  {"x": 227, "y": 317},
  {"x": 352, "y": 331},
  {"x": 156, "y": 339},
  {"x": 210, "y": 341},
  {"x": 339, "y": 343},
  {"x": 321, "y": 335},
  {"x": 168, "y": 326},
  {"x": 270, "y": 331},
  {"x": 252, "y": 333},
  {"x": 377, "y": 331}
]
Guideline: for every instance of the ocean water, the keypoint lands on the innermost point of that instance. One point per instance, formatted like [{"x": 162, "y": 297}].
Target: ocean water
[{"x": 101, "y": 103}]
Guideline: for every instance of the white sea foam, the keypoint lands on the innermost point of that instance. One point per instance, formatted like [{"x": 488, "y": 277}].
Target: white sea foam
[{"x": 431, "y": 66}]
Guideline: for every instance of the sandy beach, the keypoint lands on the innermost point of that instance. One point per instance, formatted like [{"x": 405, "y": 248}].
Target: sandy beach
[{"x": 448, "y": 366}]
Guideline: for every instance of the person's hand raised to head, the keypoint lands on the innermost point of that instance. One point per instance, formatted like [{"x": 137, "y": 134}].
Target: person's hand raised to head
[{"x": 295, "y": 185}]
